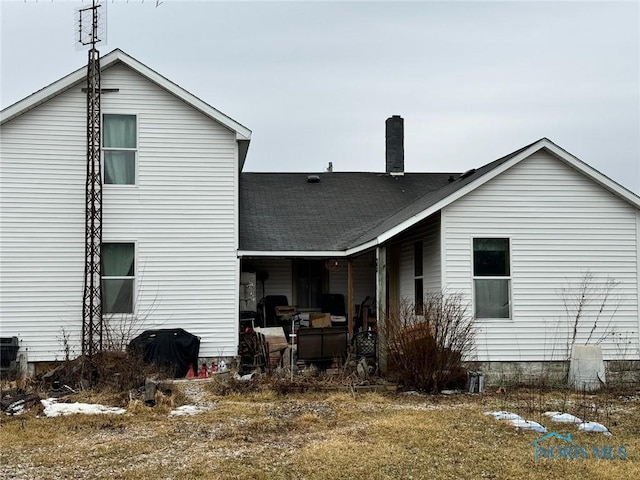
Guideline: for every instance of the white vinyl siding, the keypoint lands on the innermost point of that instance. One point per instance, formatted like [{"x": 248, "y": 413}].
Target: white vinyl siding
[
  {"x": 182, "y": 215},
  {"x": 42, "y": 206},
  {"x": 280, "y": 281},
  {"x": 429, "y": 234},
  {"x": 561, "y": 226},
  {"x": 364, "y": 279}
]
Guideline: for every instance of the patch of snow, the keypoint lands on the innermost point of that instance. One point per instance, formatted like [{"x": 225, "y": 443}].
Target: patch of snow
[
  {"x": 16, "y": 408},
  {"x": 502, "y": 415},
  {"x": 189, "y": 410},
  {"x": 54, "y": 409},
  {"x": 528, "y": 425},
  {"x": 565, "y": 418},
  {"x": 551, "y": 414},
  {"x": 244, "y": 378},
  {"x": 594, "y": 427},
  {"x": 450, "y": 392}
]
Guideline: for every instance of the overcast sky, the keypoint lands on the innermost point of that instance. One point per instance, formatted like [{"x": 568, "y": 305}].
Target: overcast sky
[{"x": 316, "y": 81}]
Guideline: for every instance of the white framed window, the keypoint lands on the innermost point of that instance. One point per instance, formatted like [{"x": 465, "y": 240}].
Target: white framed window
[
  {"x": 118, "y": 277},
  {"x": 492, "y": 277},
  {"x": 119, "y": 148}
]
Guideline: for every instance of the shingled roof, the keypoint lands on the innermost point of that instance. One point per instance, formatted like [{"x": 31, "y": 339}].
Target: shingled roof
[{"x": 283, "y": 213}]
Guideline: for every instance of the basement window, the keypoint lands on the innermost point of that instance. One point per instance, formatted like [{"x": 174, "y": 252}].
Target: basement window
[
  {"x": 118, "y": 276},
  {"x": 119, "y": 147},
  {"x": 492, "y": 278}
]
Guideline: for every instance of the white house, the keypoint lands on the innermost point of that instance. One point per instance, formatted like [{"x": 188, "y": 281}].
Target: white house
[
  {"x": 170, "y": 211},
  {"x": 515, "y": 237}
]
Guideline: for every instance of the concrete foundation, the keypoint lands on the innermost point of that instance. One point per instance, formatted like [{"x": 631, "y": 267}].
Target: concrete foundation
[{"x": 622, "y": 373}]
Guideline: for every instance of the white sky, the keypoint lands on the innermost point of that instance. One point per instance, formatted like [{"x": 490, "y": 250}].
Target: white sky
[{"x": 315, "y": 81}]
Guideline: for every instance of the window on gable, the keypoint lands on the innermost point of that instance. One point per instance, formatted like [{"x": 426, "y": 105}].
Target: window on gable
[
  {"x": 492, "y": 277},
  {"x": 119, "y": 145},
  {"x": 118, "y": 277}
]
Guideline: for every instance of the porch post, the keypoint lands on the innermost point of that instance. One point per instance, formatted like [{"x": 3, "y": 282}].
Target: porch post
[
  {"x": 381, "y": 302},
  {"x": 350, "y": 297}
]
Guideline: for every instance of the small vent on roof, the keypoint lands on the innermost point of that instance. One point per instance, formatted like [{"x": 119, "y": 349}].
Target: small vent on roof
[
  {"x": 468, "y": 173},
  {"x": 451, "y": 179},
  {"x": 313, "y": 179}
]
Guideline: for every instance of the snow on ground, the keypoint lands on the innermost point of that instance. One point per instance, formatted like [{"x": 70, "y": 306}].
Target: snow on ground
[
  {"x": 594, "y": 427},
  {"x": 502, "y": 415},
  {"x": 190, "y": 410},
  {"x": 54, "y": 409}
]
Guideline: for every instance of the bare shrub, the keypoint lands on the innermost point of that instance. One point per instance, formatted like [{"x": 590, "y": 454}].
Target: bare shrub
[
  {"x": 590, "y": 306},
  {"x": 426, "y": 352}
]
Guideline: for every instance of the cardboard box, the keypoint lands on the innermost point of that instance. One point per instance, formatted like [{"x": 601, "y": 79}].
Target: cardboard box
[{"x": 320, "y": 320}]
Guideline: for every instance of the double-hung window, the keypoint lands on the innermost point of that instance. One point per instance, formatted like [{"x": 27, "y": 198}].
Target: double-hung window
[
  {"x": 118, "y": 277},
  {"x": 119, "y": 146},
  {"x": 492, "y": 277}
]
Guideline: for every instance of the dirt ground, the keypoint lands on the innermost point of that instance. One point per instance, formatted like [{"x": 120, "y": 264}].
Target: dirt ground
[{"x": 331, "y": 434}]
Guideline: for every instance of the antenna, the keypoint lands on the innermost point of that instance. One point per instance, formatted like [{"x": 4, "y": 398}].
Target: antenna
[
  {"x": 91, "y": 29},
  {"x": 92, "y": 319},
  {"x": 91, "y": 24}
]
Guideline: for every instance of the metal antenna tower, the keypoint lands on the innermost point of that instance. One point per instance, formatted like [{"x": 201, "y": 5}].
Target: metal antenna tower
[{"x": 92, "y": 321}]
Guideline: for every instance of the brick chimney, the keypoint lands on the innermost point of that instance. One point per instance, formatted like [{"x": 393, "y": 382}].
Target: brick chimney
[{"x": 395, "y": 145}]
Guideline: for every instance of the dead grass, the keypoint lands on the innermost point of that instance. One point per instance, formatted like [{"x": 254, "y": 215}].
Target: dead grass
[{"x": 266, "y": 435}]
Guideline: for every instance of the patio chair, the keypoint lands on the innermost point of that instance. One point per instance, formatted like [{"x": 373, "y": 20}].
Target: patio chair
[{"x": 366, "y": 346}]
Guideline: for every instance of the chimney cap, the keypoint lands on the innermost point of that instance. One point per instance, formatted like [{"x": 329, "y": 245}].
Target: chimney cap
[{"x": 313, "y": 179}]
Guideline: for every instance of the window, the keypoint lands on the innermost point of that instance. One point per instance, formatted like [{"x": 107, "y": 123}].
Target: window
[
  {"x": 309, "y": 276},
  {"x": 492, "y": 277},
  {"x": 118, "y": 275},
  {"x": 418, "y": 282},
  {"x": 119, "y": 144}
]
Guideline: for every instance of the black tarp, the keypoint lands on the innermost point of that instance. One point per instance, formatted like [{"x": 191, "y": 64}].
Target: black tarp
[{"x": 174, "y": 349}]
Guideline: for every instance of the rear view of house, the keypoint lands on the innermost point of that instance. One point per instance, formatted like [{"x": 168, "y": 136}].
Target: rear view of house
[
  {"x": 519, "y": 240},
  {"x": 183, "y": 226},
  {"x": 170, "y": 212}
]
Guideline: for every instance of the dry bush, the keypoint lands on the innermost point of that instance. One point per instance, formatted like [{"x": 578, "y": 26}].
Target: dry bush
[
  {"x": 426, "y": 351},
  {"x": 230, "y": 386}
]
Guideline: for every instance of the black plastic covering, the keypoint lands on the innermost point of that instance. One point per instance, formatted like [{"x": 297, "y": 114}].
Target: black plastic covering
[{"x": 173, "y": 349}]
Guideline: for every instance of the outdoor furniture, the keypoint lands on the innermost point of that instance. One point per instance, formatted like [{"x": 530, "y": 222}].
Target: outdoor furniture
[
  {"x": 366, "y": 346},
  {"x": 321, "y": 346},
  {"x": 253, "y": 351}
]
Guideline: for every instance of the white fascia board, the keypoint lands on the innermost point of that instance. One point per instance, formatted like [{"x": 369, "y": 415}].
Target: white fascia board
[
  {"x": 42, "y": 95},
  {"x": 361, "y": 248},
  {"x": 593, "y": 174},
  {"x": 242, "y": 132},
  {"x": 291, "y": 253},
  {"x": 460, "y": 192},
  {"x": 563, "y": 155},
  {"x": 65, "y": 83}
]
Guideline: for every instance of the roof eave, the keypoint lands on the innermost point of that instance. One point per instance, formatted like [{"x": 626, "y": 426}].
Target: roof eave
[
  {"x": 69, "y": 81},
  {"x": 292, "y": 253},
  {"x": 543, "y": 143}
]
